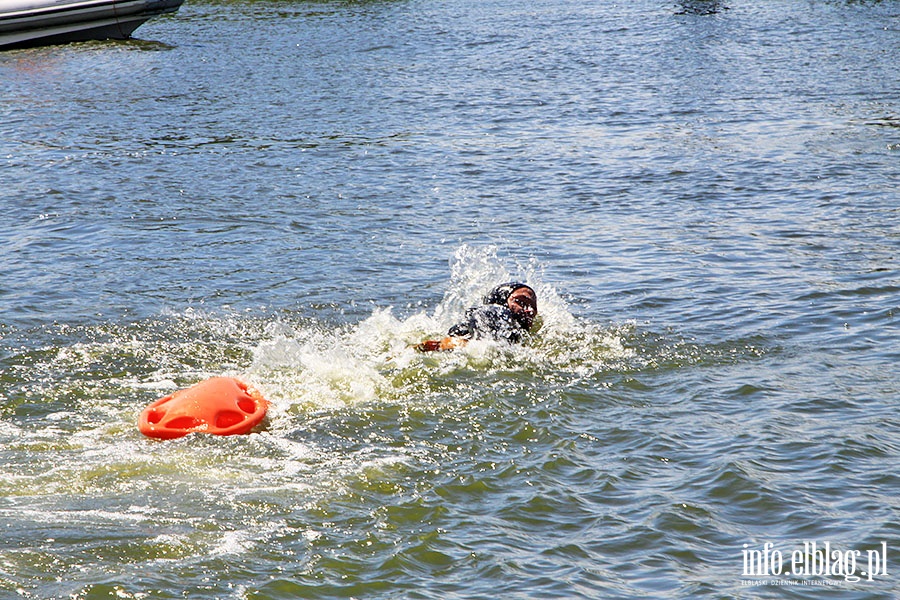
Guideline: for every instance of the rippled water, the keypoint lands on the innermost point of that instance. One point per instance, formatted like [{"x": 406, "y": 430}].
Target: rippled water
[{"x": 703, "y": 193}]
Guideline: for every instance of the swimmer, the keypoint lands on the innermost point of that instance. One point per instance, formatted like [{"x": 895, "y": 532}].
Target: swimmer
[{"x": 507, "y": 313}]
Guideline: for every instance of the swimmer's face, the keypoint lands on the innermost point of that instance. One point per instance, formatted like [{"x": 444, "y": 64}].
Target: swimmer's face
[{"x": 523, "y": 303}]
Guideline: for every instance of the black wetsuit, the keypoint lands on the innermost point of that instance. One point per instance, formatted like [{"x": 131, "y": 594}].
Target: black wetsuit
[
  {"x": 494, "y": 320},
  {"x": 490, "y": 321}
]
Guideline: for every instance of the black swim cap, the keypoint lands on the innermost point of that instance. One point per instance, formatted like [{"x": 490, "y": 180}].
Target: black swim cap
[{"x": 501, "y": 293}]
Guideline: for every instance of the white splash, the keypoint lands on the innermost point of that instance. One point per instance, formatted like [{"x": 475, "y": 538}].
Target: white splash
[{"x": 316, "y": 367}]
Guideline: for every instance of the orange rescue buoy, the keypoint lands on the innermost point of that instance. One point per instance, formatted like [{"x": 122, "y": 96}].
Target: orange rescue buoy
[{"x": 220, "y": 406}]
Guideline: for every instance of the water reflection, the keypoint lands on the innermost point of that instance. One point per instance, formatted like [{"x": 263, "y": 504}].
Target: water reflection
[{"x": 700, "y": 7}]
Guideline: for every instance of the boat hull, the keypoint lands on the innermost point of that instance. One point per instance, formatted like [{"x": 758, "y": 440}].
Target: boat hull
[{"x": 40, "y": 22}]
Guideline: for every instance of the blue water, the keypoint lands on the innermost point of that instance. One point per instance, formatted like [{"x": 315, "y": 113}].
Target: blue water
[{"x": 703, "y": 193}]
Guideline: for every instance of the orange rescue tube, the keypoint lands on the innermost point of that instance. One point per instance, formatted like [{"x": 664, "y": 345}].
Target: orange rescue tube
[{"x": 220, "y": 406}]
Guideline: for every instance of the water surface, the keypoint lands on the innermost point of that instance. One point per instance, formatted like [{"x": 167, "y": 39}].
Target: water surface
[{"x": 703, "y": 193}]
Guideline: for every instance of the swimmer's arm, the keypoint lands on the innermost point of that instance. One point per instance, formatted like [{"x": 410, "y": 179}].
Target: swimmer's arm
[{"x": 448, "y": 343}]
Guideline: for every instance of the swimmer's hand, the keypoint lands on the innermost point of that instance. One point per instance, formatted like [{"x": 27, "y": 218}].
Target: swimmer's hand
[
  {"x": 428, "y": 346},
  {"x": 448, "y": 343}
]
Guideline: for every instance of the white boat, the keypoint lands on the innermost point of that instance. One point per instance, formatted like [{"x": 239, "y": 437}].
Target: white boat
[{"x": 39, "y": 22}]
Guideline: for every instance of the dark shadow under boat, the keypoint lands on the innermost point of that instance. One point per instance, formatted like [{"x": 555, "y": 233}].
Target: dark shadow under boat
[{"x": 41, "y": 22}]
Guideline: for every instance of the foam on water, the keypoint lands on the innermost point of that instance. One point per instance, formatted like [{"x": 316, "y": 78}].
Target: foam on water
[
  {"x": 87, "y": 393},
  {"x": 69, "y": 428},
  {"x": 311, "y": 367},
  {"x": 74, "y": 462}
]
